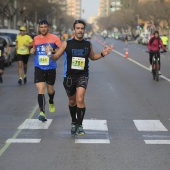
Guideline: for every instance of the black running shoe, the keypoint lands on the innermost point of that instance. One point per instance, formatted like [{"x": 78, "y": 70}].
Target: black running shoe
[
  {"x": 25, "y": 80},
  {"x": 1, "y": 80},
  {"x": 20, "y": 81},
  {"x": 73, "y": 129}
]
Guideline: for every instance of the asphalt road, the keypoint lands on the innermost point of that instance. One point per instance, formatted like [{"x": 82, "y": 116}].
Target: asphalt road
[{"x": 127, "y": 117}]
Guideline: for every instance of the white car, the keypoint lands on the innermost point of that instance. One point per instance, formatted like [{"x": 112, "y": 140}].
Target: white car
[
  {"x": 12, "y": 33},
  {"x": 11, "y": 54}
]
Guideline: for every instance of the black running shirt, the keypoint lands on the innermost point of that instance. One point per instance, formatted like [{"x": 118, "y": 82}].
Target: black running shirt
[{"x": 76, "y": 58}]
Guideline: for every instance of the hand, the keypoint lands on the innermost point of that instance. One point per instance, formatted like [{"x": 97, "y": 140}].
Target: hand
[
  {"x": 5, "y": 54},
  {"x": 32, "y": 51},
  {"x": 107, "y": 50},
  {"x": 165, "y": 51},
  {"x": 48, "y": 49}
]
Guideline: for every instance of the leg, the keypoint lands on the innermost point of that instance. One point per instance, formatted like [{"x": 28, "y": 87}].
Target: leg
[
  {"x": 25, "y": 62},
  {"x": 80, "y": 93},
  {"x": 1, "y": 73},
  {"x": 20, "y": 72},
  {"x": 2, "y": 64},
  {"x": 51, "y": 93},
  {"x": 41, "y": 100},
  {"x": 50, "y": 81}
]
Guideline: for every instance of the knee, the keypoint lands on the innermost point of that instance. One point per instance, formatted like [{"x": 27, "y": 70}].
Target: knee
[
  {"x": 80, "y": 101},
  {"x": 72, "y": 102}
]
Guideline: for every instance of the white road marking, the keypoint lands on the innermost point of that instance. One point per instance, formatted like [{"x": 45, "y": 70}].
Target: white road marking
[
  {"x": 149, "y": 125},
  {"x": 100, "y": 125},
  {"x": 101, "y": 141},
  {"x": 157, "y": 141},
  {"x": 139, "y": 64},
  {"x": 35, "y": 124},
  {"x": 155, "y": 136},
  {"x": 23, "y": 141}
]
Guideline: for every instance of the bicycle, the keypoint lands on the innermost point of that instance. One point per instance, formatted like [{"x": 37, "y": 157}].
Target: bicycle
[{"x": 155, "y": 64}]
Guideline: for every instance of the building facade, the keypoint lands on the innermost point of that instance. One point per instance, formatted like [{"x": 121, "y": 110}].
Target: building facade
[{"x": 74, "y": 8}]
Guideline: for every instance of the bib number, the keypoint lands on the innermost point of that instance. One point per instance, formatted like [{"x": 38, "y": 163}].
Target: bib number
[
  {"x": 43, "y": 60},
  {"x": 78, "y": 63},
  {"x": 23, "y": 49}
]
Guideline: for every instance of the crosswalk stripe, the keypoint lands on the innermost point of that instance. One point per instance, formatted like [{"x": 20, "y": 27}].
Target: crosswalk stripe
[
  {"x": 35, "y": 124},
  {"x": 149, "y": 125},
  {"x": 99, "y": 125},
  {"x": 157, "y": 141},
  {"x": 23, "y": 141},
  {"x": 100, "y": 141}
]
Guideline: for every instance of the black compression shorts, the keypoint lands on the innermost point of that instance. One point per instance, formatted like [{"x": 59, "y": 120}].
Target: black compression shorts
[
  {"x": 70, "y": 83},
  {"x": 47, "y": 76}
]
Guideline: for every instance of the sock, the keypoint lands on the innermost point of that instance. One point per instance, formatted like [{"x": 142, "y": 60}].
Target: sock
[
  {"x": 73, "y": 111},
  {"x": 20, "y": 78},
  {"x": 25, "y": 75},
  {"x": 51, "y": 97},
  {"x": 41, "y": 102},
  {"x": 80, "y": 115}
]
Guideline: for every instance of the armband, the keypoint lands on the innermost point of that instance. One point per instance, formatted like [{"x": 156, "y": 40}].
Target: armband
[{"x": 102, "y": 55}]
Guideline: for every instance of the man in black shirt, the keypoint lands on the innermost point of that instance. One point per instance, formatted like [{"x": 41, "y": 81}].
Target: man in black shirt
[
  {"x": 77, "y": 52},
  {"x": 3, "y": 52}
]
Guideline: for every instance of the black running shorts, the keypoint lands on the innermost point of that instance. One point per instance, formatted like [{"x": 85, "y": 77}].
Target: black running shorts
[
  {"x": 2, "y": 63},
  {"x": 23, "y": 58},
  {"x": 47, "y": 76},
  {"x": 70, "y": 83}
]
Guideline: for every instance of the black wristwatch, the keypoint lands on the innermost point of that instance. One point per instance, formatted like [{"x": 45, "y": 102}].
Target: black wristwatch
[{"x": 102, "y": 55}]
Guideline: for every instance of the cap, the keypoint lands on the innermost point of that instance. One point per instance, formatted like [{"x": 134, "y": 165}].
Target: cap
[{"x": 22, "y": 28}]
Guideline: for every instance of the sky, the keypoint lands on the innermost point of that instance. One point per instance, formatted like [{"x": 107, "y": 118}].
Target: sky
[{"x": 90, "y": 8}]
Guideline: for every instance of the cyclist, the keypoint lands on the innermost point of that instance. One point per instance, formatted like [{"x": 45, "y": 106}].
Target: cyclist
[
  {"x": 4, "y": 49},
  {"x": 154, "y": 45},
  {"x": 77, "y": 52},
  {"x": 23, "y": 44},
  {"x": 45, "y": 68}
]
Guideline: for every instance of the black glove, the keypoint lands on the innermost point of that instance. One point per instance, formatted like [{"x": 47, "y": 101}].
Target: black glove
[{"x": 165, "y": 51}]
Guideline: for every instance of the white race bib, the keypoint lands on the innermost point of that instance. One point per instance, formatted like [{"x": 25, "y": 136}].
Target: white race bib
[
  {"x": 43, "y": 60},
  {"x": 78, "y": 63}
]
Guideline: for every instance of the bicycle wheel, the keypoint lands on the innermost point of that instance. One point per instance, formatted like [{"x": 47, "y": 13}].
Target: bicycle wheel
[
  {"x": 153, "y": 70},
  {"x": 157, "y": 71}
]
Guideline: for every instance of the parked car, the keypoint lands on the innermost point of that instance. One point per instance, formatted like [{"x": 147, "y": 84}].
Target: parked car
[
  {"x": 11, "y": 54},
  {"x": 12, "y": 33}
]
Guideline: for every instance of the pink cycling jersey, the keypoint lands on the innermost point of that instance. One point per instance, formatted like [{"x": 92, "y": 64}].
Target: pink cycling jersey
[{"x": 155, "y": 45}]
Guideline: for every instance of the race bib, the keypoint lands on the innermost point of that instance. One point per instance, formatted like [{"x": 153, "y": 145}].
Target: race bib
[
  {"x": 23, "y": 49},
  {"x": 43, "y": 60},
  {"x": 78, "y": 63}
]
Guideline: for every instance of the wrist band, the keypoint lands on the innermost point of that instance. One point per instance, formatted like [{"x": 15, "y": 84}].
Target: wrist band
[{"x": 102, "y": 55}]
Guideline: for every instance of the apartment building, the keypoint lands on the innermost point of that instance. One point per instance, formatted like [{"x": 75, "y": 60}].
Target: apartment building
[
  {"x": 145, "y": 1},
  {"x": 74, "y": 8}
]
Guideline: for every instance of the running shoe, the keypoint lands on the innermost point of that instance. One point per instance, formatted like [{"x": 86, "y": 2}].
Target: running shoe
[
  {"x": 73, "y": 129},
  {"x": 20, "y": 81},
  {"x": 25, "y": 80},
  {"x": 51, "y": 107},
  {"x": 159, "y": 72},
  {"x": 80, "y": 131},
  {"x": 1, "y": 80},
  {"x": 42, "y": 117}
]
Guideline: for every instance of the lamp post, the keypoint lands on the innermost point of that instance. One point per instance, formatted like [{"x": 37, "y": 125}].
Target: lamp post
[{"x": 15, "y": 14}]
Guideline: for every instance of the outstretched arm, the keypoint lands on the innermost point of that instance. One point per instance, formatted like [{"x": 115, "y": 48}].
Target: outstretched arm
[
  {"x": 59, "y": 52},
  {"x": 106, "y": 50}
]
